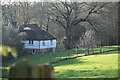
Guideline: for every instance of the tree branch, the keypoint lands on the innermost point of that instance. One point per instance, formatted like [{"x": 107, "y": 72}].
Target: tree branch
[
  {"x": 65, "y": 6},
  {"x": 100, "y": 7},
  {"x": 68, "y": 7},
  {"x": 95, "y": 11},
  {"x": 91, "y": 11},
  {"x": 59, "y": 23},
  {"x": 77, "y": 21},
  {"x": 60, "y": 11},
  {"x": 93, "y": 25}
]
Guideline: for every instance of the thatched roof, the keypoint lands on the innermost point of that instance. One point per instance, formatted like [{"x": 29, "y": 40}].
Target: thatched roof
[{"x": 37, "y": 35}]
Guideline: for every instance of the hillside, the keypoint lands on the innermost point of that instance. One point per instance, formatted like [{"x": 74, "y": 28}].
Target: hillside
[
  {"x": 92, "y": 66},
  {"x": 103, "y": 65}
]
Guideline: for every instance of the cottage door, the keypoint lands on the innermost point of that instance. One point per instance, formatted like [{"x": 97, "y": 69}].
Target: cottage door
[{"x": 33, "y": 51}]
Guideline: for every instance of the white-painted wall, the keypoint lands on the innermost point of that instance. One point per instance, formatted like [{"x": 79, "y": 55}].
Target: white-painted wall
[{"x": 39, "y": 44}]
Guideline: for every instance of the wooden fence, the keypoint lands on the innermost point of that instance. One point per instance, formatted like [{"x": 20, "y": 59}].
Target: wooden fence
[{"x": 24, "y": 69}]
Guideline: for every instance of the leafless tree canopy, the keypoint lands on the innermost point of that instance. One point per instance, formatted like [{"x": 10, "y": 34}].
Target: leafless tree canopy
[{"x": 69, "y": 22}]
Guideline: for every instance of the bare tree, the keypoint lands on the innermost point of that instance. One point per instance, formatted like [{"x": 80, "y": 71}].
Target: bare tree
[
  {"x": 8, "y": 13},
  {"x": 11, "y": 37},
  {"x": 70, "y": 14},
  {"x": 67, "y": 18}
]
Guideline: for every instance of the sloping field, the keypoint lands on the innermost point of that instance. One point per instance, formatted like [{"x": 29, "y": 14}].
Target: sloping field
[
  {"x": 50, "y": 57},
  {"x": 104, "y": 65}
]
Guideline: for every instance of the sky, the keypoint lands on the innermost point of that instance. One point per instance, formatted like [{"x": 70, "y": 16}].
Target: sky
[
  {"x": 3, "y": 2},
  {"x": 7, "y": 1}
]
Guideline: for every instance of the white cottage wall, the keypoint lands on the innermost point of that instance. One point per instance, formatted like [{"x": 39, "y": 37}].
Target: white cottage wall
[
  {"x": 53, "y": 43},
  {"x": 36, "y": 44},
  {"x": 39, "y": 44},
  {"x": 45, "y": 45}
]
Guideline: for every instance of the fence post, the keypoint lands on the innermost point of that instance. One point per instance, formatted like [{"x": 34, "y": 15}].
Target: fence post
[
  {"x": 92, "y": 50},
  {"x": 85, "y": 51},
  {"x": 100, "y": 49},
  {"x": 60, "y": 58}
]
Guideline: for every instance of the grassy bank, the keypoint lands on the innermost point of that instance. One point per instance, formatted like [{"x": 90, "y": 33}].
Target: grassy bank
[
  {"x": 103, "y": 65},
  {"x": 50, "y": 57},
  {"x": 94, "y": 66}
]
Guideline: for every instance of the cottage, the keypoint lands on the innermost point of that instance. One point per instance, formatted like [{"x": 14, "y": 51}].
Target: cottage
[{"x": 36, "y": 39}]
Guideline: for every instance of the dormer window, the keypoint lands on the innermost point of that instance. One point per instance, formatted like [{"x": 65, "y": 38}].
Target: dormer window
[{"x": 27, "y": 28}]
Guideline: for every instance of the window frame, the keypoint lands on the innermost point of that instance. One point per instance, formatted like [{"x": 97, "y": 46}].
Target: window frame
[
  {"x": 43, "y": 43},
  {"x": 51, "y": 42},
  {"x": 30, "y": 41}
]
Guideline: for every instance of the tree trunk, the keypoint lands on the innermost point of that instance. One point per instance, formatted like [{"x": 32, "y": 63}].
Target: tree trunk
[{"x": 69, "y": 41}]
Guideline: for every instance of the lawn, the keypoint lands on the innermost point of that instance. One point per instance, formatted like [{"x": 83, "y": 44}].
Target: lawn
[
  {"x": 50, "y": 57},
  {"x": 88, "y": 66},
  {"x": 44, "y": 58},
  {"x": 104, "y": 65}
]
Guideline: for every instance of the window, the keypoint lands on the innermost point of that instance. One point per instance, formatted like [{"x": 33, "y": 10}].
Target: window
[
  {"x": 51, "y": 42},
  {"x": 43, "y": 43},
  {"x": 30, "y": 41},
  {"x": 27, "y": 28}
]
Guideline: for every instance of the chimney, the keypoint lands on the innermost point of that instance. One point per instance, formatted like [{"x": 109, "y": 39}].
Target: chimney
[{"x": 14, "y": 24}]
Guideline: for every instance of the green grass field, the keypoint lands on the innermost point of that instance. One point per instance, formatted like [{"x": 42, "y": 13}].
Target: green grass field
[
  {"x": 93, "y": 66},
  {"x": 50, "y": 57},
  {"x": 104, "y": 65}
]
